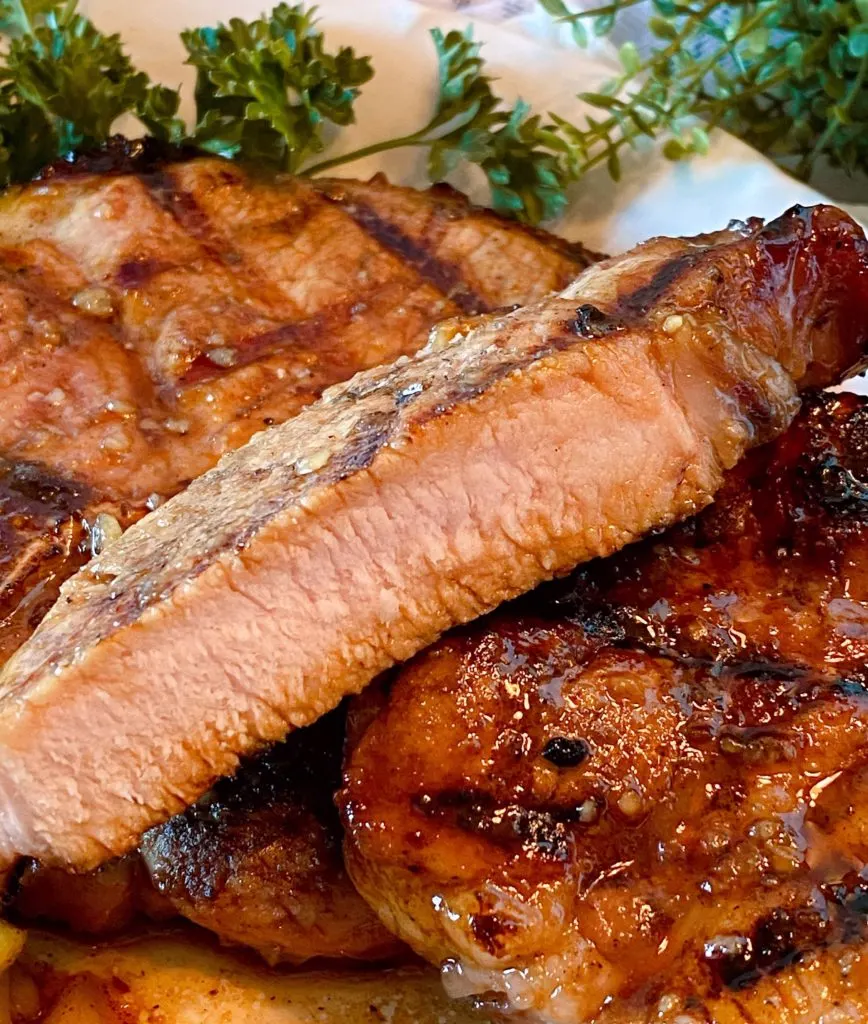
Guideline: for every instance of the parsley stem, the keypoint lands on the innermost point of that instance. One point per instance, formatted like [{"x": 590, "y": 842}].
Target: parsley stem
[{"x": 359, "y": 154}]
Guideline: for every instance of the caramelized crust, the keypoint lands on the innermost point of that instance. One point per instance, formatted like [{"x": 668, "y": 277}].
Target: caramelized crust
[
  {"x": 258, "y": 860},
  {"x": 643, "y": 784}
]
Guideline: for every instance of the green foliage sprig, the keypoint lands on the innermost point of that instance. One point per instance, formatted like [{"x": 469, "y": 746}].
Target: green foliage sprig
[{"x": 787, "y": 76}]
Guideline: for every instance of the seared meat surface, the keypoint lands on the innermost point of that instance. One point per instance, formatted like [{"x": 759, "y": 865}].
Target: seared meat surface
[
  {"x": 258, "y": 860},
  {"x": 155, "y": 318},
  {"x": 644, "y": 783},
  {"x": 414, "y": 498}
]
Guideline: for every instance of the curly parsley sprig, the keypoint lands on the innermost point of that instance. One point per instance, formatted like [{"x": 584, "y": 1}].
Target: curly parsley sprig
[
  {"x": 63, "y": 84},
  {"x": 265, "y": 88}
]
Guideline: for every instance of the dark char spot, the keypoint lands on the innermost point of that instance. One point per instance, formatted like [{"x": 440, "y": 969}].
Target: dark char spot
[
  {"x": 566, "y": 751},
  {"x": 591, "y": 322}
]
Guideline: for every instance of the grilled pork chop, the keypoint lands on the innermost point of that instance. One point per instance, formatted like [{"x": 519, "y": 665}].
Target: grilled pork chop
[
  {"x": 430, "y": 249},
  {"x": 645, "y": 783},
  {"x": 413, "y": 498},
  {"x": 156, "y": 315}
]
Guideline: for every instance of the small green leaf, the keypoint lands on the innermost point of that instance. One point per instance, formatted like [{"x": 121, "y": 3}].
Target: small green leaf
[
  {"x": 265, "y": 88},
  {"x": 630, "y": 58},
  {"x": 857, "y": 41},
  {"x": 663, "y": 28},
  {"x": 600, "y": 100},
  {"x": 603, "y": 24},
  {"x": 699, "y": 140},
  {"x": 556, "y": 8},
  {"x": 579, "y": 32},
  {"x": 613, "y": 165},
  {"x": 673, "y": 149}
]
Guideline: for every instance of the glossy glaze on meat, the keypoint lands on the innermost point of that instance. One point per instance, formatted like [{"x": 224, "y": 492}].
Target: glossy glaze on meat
[
  {"x": 415, "y": 497},
  {"x": 157, "y": 314},
  {"x": 644, "y": 784}
]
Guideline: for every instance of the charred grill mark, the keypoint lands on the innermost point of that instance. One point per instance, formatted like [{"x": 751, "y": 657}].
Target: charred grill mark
[
  {"x": 43, "y": 538},
  {"x": 180, "y": 203},
  {"x": 445, "y": 277},
  {"x": 269, "y": 796},
  {"x": 137, "y": 273},
  {"x": 638, "y": 303},
  {"x": 491, "y": 931},
  {"x": 540, "y": 831},
  {"x": 592, "y": 323},
  {"x": 118, "y": 156},
  {"x": 777, "y": 941},
  {"x": 566, "y": 751},
  {"x": 31, "y": 491},
  {"x": 453, "y": 204},
  {"x": 371, "y": 435},
  {"x": 300, "y": 334}
]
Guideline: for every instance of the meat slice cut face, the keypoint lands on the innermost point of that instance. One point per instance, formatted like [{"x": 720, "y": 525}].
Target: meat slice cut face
[
  {"x": 155, "y": 316},
  {"x": 643, "y": 784},
  {"x": 413, "y": 498}
]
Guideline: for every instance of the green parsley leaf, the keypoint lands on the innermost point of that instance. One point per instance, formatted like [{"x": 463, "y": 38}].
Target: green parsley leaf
[
  {"x": 20, "y": 17},
  {"x": 266, "y": 88}
]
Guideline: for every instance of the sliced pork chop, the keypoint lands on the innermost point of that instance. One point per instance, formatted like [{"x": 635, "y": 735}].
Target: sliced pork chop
[
  {"x": 415, "y": 497},
  {"x": 157, "y": 314},
  {"x": 694, "y": 824}
]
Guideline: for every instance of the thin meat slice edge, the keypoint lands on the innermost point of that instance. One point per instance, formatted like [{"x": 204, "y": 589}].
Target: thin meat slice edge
[{"x": 414, "y": 497}]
